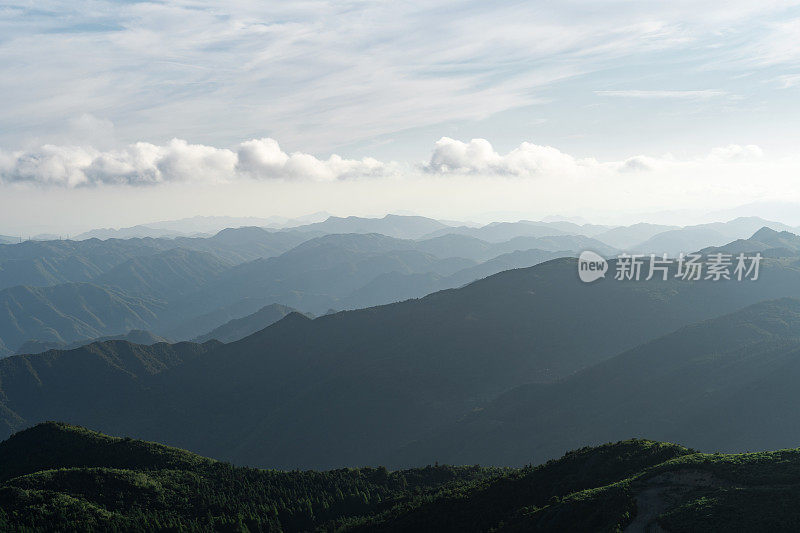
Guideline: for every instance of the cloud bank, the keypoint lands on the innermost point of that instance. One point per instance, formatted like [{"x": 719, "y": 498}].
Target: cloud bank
[
  {"x": 177, "y": 161},
  {"x": 263, "y": 160},
  {"x": 529, "y": 160}
]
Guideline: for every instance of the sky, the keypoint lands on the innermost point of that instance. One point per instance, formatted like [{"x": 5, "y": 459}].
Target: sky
[{"x": 114, "y": 113}]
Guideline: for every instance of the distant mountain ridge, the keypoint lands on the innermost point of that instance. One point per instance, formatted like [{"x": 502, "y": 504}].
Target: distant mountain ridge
[
  {"x": 135, "y": 336},
  {"x": 692, "y": 238},
  {"x": 766, "y": 241},
  {"x": 242, "y": 327},
  {"x": 402, "y": 227}
]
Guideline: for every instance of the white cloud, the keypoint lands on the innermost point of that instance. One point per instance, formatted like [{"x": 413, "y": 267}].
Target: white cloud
[
  {"x": 788, "y": 81},
  {"x": 734, "y": 153},
  {"x": 177, "y": 161},
  {"x": 529, "y": 160},
  {"x": 451, "y": 156},
  {"x": 263, "y": 159}
]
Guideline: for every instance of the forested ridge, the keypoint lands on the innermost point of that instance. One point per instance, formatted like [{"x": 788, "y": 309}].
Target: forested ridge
[{"x": 57, "y": 477}]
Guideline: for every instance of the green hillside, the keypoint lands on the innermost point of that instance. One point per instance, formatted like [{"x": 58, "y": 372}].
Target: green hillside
[
  {"x": 632, "y": 486},
  {"x": 56, "y": 477},
  {"x": 60, "y": 477}
]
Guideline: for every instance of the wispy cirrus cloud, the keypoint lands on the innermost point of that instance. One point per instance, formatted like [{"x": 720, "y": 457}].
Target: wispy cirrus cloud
[
  {"x": 321, "y": 74},
  {"x": 656, "y": 94}
]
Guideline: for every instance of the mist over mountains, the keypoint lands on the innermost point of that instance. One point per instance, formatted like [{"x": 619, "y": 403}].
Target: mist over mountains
[{"x": 184, "y": 287}]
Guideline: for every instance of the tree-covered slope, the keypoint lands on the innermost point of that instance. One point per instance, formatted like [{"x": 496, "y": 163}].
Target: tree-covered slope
[
  {"x": 56, "y": 477},
  {"x": 65, "y": 478},
  {"x": 629, "y": 486},
  {"x": 488, "y": 504}
]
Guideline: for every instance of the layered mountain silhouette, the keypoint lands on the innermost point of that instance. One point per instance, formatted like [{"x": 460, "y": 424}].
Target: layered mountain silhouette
[
  {"x": 375, "y": 385},
  {"x": 182, "y": 293},
  {"x": 768, "y": 242},
  {"x": 242, "y": 327},
  {"x": 135, "y": 336},
  {"x": 691, "y": 238},
  {"x": 70, "y": 312}
]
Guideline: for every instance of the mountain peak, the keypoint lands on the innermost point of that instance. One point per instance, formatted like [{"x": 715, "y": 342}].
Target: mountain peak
[{"x": 765, "y": 233}]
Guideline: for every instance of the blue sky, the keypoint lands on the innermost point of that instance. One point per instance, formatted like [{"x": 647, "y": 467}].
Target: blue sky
[{"x": 95, "y": 95}]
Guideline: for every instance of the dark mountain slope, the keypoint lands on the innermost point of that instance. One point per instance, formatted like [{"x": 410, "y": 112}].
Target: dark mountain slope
[
  {"x": 396, "y": 286},
  {"x": 722, "y": 384},
  {"x": 368, "y": 382},
  {"x": 89, "y": 379}
]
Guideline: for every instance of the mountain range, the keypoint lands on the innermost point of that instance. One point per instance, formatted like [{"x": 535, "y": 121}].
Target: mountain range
[
  {"x": 390, "y": 376},
  {"x": 183, "y": 288}
]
